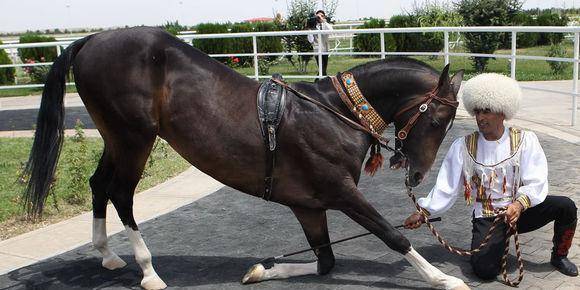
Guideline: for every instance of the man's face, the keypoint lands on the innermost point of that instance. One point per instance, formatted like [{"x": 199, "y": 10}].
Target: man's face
[
  {"x": 320, "y": 16},
  {"x": 489, "y": 122}
]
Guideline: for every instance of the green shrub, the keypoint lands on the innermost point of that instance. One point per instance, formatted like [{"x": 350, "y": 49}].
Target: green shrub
[
  {"x": 524, "y": 39},
  {"x": 270, "y": 43},
  {"x": 242, "y": 44},
  {"x": 37, "y": 54},
  {"x": 485, "y": 13},
  {"x": 173, "y": 27},
  {"x": 551, "y": 19},
  {"x": 213, "y": 46},
  {"x": 558, "y": 67},
  {"x": 298, "y": 13},
  {"x": 368, "y": 42},
  {"x": 7, "y": 73}
]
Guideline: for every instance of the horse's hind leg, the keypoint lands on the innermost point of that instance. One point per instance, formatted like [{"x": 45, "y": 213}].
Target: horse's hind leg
[
  {"x": 99, "y": 182},
  {"x": 313, "y": 222},
  {"x": 130, "y": 157},
  {"x": 358, "y": 209}
]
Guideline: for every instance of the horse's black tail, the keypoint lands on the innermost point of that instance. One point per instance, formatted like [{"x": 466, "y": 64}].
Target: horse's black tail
[{"x": 49, "y": 134}]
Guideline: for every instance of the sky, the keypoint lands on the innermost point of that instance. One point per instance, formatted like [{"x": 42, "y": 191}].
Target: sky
[{"x": 22, "y": 15}]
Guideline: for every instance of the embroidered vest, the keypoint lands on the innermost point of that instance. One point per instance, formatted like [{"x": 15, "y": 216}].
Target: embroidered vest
[{"x": 485, "y": 176}]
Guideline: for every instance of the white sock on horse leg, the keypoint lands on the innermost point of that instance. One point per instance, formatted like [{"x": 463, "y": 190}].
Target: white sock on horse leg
[
  {"x": 258, "y": 273},
  {"x": 143, "y": 257},
  {"x": 287, "y": 270},
  {"x": 431, "y": 274},
  {"x": 110, "y": 260}
]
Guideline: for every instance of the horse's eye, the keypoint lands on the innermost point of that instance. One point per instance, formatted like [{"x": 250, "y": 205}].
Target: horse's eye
[{"x": 435, "y": 124}]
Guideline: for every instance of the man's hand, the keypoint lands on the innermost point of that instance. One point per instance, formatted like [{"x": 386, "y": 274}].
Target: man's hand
[
  {"x": 513, "y": 212},
  {"x": 414, "y": 221}
]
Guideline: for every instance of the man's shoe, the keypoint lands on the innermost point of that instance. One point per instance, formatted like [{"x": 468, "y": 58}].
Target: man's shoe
[{"x": 564, "y": 265}]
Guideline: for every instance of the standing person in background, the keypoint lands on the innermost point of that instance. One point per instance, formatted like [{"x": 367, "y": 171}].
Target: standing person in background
[{"x": 319, "y": 22}]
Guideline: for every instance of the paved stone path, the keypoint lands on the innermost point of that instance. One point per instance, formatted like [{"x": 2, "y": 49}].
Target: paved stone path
[{"x": 210, "y": 243}]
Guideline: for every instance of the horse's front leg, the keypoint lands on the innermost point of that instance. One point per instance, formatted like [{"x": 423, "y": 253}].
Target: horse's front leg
[
  {"x": 313, "y": 222},
  {"x": 358, "y": 209}
]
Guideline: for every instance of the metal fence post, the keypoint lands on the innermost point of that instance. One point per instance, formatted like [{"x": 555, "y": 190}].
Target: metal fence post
[
  {"x": 351, "y": 38},
  {"x": 575, "y": 80},
  {"x": 446, "y": 46},
  {"x": 320, "y": 54},
  {"x": 255, "y": 48},
  {"x": 58, "y": 50},
  {"x": 513, "y": 57},
  {"x": 382, "y": 45}
]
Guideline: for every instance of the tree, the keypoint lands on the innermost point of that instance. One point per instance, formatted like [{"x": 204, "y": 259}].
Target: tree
[
  {"x": 486, "y": 13},
  {"x": 298, "y": 13}
]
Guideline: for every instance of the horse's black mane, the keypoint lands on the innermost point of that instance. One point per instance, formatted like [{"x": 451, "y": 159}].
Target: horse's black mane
[{"x": 404, "y": 62}]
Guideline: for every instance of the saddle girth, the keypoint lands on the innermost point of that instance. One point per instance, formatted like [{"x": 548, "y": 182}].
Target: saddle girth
[{"x": 271, "y": 102}]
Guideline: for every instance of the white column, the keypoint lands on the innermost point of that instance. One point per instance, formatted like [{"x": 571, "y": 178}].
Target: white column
[
  {"x": 513, "y": 56},
  {"x": 382, "y": 45},
  {"x": 255, "y": 48},
  {"x": 575, "y": 77}
]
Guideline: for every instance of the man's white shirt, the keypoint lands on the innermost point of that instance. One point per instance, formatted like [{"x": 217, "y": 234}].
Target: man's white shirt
[{"x": 533, "y": 168}]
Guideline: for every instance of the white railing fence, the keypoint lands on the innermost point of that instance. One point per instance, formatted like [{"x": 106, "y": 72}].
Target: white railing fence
[{"x": 446, "y": 53}]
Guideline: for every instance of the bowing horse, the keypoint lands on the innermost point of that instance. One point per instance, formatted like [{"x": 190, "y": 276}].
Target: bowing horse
[{"x": 140, "y": 83}]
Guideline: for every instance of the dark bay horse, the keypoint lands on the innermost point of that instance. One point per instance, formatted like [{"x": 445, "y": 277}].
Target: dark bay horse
[{"x": 141, "y": 83}]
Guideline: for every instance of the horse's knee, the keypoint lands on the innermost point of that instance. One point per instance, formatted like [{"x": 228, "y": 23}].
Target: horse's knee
[
  {"x": 484, "y": 271},
  {"x": 325, "y": 261}
]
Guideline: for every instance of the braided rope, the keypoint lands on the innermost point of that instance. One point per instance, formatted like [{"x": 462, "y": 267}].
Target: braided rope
[{"x": 461, "y": 252}]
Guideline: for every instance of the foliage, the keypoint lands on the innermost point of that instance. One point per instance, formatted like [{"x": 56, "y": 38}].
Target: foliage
[
  {"x": 270, "y": 43},
  {"x": 372, "y": 41},
  {"x": 38, "y": 74},
  {"x": 212, "y": 46},
  {"x": 242, "y": 44},
  {"x": 79, "y": 172},
  {"x": 428, "y": 14},
  {"x": 558, "y": 67},
  {"x": 485, "y": 13},
  {"x": 551, "y": 19},
  {"x": 525, "y": 39},
  {"x": 173, "y": 27},
  {"x": 36, "y": 53},
  {"x": 7, "y": 73},
  {"x": 298, "y": 13}
]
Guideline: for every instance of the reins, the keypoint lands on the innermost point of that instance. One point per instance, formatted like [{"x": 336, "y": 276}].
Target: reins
[
  {"x": 461, "y": 252},
  {"x": 423, "y": 103}
]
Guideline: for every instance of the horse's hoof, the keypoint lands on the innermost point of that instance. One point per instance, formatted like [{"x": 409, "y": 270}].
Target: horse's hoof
[
  {"x": 255, "y": 274},
  {"x": 461, "y": 286},
  {"x": 113, "y": 262},
  {"x": 153, "y": 283}
]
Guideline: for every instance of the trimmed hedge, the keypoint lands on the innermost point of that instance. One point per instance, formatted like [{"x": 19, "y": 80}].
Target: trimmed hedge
[
  {"x": 7, "y": 73},
  {"x": 212, "y": 46},
  {"x": 372, "y": 42},
  {"x": 414, "y": 41},
  {"x": 37, "y": 53},
  {"x": 551, "y": 19},
  {"x": 237, "y": 45}
]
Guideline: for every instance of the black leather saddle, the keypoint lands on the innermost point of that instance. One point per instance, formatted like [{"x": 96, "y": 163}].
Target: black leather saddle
[{"x": 271, "y": 105}]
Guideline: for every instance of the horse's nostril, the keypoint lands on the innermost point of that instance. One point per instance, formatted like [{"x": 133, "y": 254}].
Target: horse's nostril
[{"x": 417, "y": 178}]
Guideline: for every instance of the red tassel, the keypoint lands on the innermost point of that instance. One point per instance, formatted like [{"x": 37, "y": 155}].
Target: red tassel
[
  {"x": 504, "y": 186},
  {"x": 467, "y": 192},
  {"x": 374, "y": 163}
]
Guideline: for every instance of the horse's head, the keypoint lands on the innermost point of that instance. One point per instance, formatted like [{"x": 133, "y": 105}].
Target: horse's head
[{"x": 422, "y": 122}]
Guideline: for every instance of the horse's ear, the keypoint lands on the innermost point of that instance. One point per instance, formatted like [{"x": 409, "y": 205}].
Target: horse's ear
[
  {"x": 456, "y": 82},
  {"x": 444, "y": 78}
]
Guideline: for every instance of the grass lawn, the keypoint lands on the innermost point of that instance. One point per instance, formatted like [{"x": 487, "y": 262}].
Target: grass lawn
[{"x": 63, "y": 202}]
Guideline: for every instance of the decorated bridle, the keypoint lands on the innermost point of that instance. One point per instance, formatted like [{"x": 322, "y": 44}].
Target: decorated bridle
[{"x": 369, "y": 117}]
